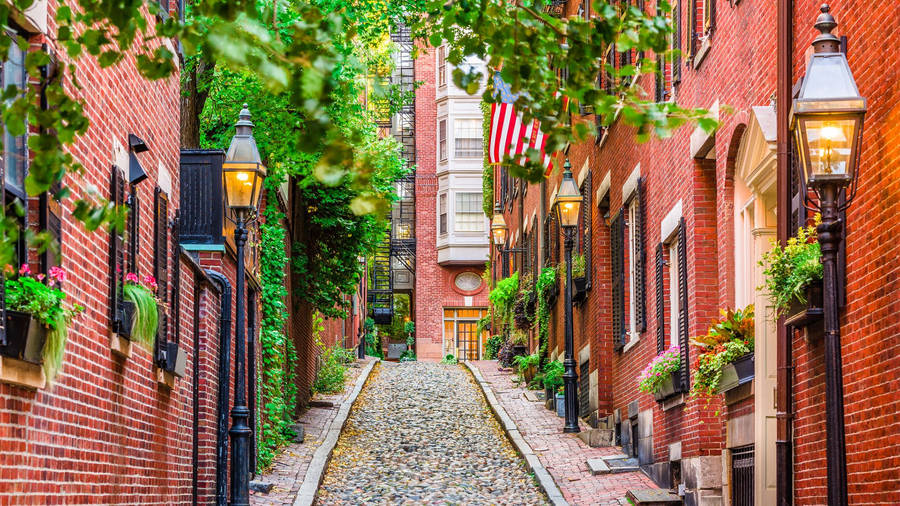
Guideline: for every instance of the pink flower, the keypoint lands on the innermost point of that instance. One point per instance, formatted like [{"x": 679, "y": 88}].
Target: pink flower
[
  {"x": 40, "y": 277},
  {"x": 131, "y": 277},
  {"x": 25, "y": 270},
  {"x": 57, "y": 273}
]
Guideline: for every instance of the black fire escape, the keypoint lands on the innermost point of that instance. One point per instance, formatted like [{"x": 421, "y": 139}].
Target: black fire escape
[{"x": 399, "y": 248}]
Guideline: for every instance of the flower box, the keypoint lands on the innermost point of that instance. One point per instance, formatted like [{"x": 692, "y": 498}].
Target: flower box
[
  {"x": 737, "y": 373},
  {"x": 665, "y": 389},
  {"x": 804, "y": 314},
  {"x": 24, "y": 337},
  {"x": 579, "y": 289},
  {"x": 125, "y": 323}
]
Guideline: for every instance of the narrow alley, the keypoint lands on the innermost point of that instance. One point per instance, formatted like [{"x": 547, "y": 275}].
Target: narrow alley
[{"x": 421, "y": 433}]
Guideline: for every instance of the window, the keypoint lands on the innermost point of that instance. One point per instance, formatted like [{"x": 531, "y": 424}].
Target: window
[
  {"x": 164, "y": 9},
  {"x": 469, "y": 216},
  {"x": 461, "y": 336},
  {"x": 702, "y": 25},
  {"x": 15, "y": 151},
  {"x": 442, "y": 67},
  {"x": 442, "y": 214},
  {"x": 674, "y": 281},
  {"x": 442, "y": 139},
  {"x": 467, "y": 138}
]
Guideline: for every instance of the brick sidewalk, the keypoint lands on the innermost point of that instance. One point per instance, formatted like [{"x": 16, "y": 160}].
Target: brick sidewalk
[
  {"x": 564, "y": 455},
  {"x": 289, "y": 468}
]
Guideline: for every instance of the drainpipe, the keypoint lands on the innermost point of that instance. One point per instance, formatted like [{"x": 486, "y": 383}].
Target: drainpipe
[
  {"x": 224, "y": 376},
  {"x": 784, "y": 401}
]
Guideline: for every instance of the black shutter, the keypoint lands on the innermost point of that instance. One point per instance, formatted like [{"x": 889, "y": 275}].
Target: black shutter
[
  {"x": 640, "y": 261},
  {"x": 617, "y": 253},
  {"x": 545, "y": 247},
  {"x": 176, "y": 278},
  {"x": 554, "y": 236},
  {"x": 683, "y": 341},
  {"x": 587, "y": 209},
  {"x": 676, "y": 58},
  {"x": 161, "y": 260},
  {"x": 660, "y": 300},
  {"x": 3, "y": 287},
  {"x": 117, "y": 265}
]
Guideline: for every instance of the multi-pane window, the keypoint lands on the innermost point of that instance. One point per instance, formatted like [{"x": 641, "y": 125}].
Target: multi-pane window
[
  {"x": 442, "y": 214},
  {"x": 15, "y": 151},
  {"x": 674, "y": 280},
  {"x": 442, "y": 66},
  {"x": 633, "y": 250},
  {"x": 467, "y": 138},
  {"x": 702, "y": 22},
  {"x": 469, "y": 216},
  {"x": 442, "y": 139}
]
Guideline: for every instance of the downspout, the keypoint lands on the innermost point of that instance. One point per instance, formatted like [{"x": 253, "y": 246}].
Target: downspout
[
  {"x": 784, "y": 400},
  {"x": 195, "y": 385},
  {"x": 224, "y": 376}
]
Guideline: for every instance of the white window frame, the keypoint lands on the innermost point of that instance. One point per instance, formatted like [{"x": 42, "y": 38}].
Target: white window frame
[
  {"x": 633, "y": 334},
  {"x": 442, "y": 140},
  {"x": 478, "y": 211},
  {"x": 456, "y": 137},
  {"x": 443, "y": 213},
  {"x": 442, "y": 66},
  {"x": 674, "y": 300}
]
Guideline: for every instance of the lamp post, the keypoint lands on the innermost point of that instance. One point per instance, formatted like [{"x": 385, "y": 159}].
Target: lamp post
[
  {"x": 826, "y": 119},
  {"x": 242, "y": 177},
  {"x": 361, "y": 352},
  {"x": 499, "y": 231},
  {"x": 568, "y": 203}
]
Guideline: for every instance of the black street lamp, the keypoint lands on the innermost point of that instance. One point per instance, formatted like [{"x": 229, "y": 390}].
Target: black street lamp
[
  {"x": 568, "y": 204},
  {"x": 242, "y": 176},
  {"x": 827, "y": 119}
]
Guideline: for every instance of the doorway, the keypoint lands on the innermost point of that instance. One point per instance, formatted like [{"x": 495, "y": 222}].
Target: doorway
[{"x": 467, "y": 339}]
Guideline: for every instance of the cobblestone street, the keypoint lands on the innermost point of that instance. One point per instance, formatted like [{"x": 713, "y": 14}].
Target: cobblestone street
[{"x": 422, "y": 433}]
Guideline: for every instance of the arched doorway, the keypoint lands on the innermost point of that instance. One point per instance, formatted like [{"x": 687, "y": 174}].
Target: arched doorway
[{"x": 754, "y": 228}]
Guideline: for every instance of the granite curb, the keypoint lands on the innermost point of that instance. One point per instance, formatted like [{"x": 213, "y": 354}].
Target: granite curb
[
  {"x": 306, "y": 496},
  {"x": 532, "y": 462}
]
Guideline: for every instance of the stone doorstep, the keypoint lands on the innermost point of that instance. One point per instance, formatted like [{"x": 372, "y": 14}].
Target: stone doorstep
[
  {"x": 597, "y": 438},
  {"x": 653, "y": 497},
  {"x": 597, "y": 466},
  {"x": 614, "y": 457}
]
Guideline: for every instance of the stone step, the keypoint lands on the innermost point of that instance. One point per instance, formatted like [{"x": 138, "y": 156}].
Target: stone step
[
  {"x": 597, "y": 466},
  {"x": 652, "y": 497},
  {"x": 622, "y": 465},
  {"x": 596, "y": 438}
]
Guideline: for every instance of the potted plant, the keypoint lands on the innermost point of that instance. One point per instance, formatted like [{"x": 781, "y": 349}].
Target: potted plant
[
  {"x": 140, "y": 293},
  {"x": 522, "y": 315},
  {"x": 579, "y": 278},
  {"x": 793, "y": 277},
  {"x": 560, "y": 402},
  {"x": 726, "y": 356},
  {"x": 36, "y": 319},
  {"x": 658, "y": 377},
  {"x": 526, "y": 365},
  {"x": 553, "y": 372},
  {"x": 492, "y": 347},
  {"x": 519, "y": 343}
]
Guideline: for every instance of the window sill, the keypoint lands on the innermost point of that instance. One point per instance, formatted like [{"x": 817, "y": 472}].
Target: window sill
[
  {"x": 22, "y": 374},
  {"x": 672, "y": 402},
  {"x": 702, "y": 52},
  {"x": 119, "y": 345},
  {"x": 632, "y": 342},
  {"x": 165, "y": 379}
]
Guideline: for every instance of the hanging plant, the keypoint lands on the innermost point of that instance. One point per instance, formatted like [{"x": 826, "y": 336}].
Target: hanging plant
[
  {"x": 726, "y": 341},
  {"x": 789, "y": 270},
  {"x": 146, "y": 312},
  {"x": 503, "y": 297}
]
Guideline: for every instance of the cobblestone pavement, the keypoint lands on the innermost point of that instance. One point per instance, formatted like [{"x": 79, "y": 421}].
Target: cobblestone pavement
[
  {"x": 289, "y": 468},
  {"x": 563, "y": 455},
  {"x": 422, "y": 433}
]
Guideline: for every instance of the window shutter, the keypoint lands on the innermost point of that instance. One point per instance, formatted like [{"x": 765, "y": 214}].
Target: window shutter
[
  {"x": 640, "y": 261},
  {"x": 676, "y": 58},
  {"x": 586, "y": 210},
  {"x": 683, "y": 341},
  {"x": 554, "y": 237},
  {"x": 2, "y": 290},
  {"x": 161, "y": 259},
  {"x": 134, "y": 227},
  {"x": 545, "y": 247},
  {"x": 660, "y": 301},
  {"x": 176, "y": 279},
  {"x": 617, "y": 243},
  {"x": 692, "y": 19},
  {"x": 117, "y": 265}
]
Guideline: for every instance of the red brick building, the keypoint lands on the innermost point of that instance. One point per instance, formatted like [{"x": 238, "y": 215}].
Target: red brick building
[
  {"x": 123, "y": 424},
  {"x": 673, "y": 232}
]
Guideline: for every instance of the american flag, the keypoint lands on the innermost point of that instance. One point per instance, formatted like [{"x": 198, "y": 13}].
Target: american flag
[{"x": 509, "y": 137}]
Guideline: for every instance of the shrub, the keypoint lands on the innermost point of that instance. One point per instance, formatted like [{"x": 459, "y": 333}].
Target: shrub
[
  {"x": 553, "y": 374},
  {"x": 492, "y": 346},
  {"x": 449, "y": 359},
  {"x": 660, "y": 368},
  {"x": 523, "y": 362},
  {"x": 505, "y": 355},
  {"x": 331, "y": 374}
]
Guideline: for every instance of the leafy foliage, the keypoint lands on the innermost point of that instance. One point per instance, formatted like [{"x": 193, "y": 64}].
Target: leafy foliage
[
  {"x": 545, "y": 284},
  {"x": 659, "y": 369},
  {"x": 487, "y": 171},
  {"x": 790, "y": 269},
  {"x": 276, "y": 389},
  {"x": 578, "y": 266},
  {"x": 332, "y": 370},
  {"x": 523, "y": 362},
  {"x": 449, "y": 359},
  {"x": 530, "y": 46},
  {"x": 727, "y": 340},
  {"x": 492, "y": 346},
  {"x": 553, "y": 374},
  {"x": 503, "y": 296}
]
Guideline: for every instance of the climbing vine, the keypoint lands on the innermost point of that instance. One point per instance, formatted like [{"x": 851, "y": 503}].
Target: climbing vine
[
  {"x": 277, "y": 400},
  {"x": 487, "y": 174},
  {"x": 546, "y": 283}
]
